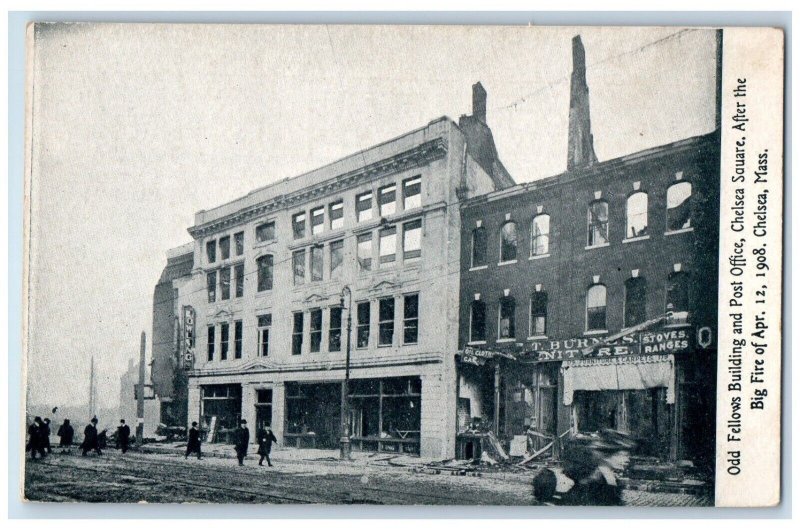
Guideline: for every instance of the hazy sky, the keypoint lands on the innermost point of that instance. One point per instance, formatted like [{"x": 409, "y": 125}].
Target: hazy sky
[{"x": 137, "y": 127}]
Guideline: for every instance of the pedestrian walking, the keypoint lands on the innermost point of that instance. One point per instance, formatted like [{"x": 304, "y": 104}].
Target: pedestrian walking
[
  {"x": 193, "y": 442},
  {"x": 45, "y": 434},
  {"x": 35, "y": 438},
  {"x": 123, "y": 436},
  {"x": 265, "y": 439},
  {"x": 65, "y": 433},
  {"x": 90, "y": 438},
  {"x": 242, "y": 440}
]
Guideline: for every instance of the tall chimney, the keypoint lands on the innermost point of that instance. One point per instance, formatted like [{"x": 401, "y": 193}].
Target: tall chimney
[
  {"x": 479, "y": 102},
  {"x": 580, "y": 144}
]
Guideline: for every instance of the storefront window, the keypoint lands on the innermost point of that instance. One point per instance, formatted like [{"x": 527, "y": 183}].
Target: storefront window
[
  {"x": 508, "y": 307},
  {"x": 635, "y": 301},
  {"x": 636, "y": 215},
  {"x": 598, "y": 223},
  {"x": 223, "y": 402},
  {"x": 679, "y": 213},
  {"x": 508, "y": 242},
  {"x": 596, "y": 308}
]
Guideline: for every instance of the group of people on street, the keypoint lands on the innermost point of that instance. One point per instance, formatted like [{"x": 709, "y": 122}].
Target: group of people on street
[
  {"x": 39, "y": 437},
  {"x": 265, "y": 438}
]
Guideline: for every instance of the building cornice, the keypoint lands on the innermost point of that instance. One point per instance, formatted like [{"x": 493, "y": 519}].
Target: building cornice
[{"x": 420, "y": 155}]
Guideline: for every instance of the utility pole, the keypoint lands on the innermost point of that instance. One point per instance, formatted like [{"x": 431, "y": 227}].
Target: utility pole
[
  {"x": 140, "y": 395},
  {"x": 344, "y": 449},
  {"x": 91, "y": 389}
]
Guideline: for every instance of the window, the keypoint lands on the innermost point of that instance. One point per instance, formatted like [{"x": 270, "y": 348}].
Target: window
[
  {"x": 508, "y": 242},
  {"x": 238, "y": 241},
  {"x": 598, "y": 223},
  {"x": 540, "y": 235},
  {"x": 538, "y": 314},
  {"x": 596, "y": 308},
  {"x": 299, "y": 266},
  {"x": 335, "y": 329},
  {"x": 224, "y": 331},
  {"x": 264, "y": 324},
  {"x": 410, "y": 318},
  {"x": 506, "y": 328},
  {"x": 364, "y": 207},
  {"x": 635, "y": 300},
  {"x": 362, "y": 331},
  {"x": 385, "y": 321},
  {"x": 336, "y": 215},
  {"x": 316, "y": 263},
  {"x": 316, "y": 329},
  {"x": 237, "y": 339},
  {"x": 365, "y": 252},
  {"x": 336, "y": 258},
  {"x": 678, "y": 297},
  {"x": 225, "y": 247},
  {"x": 239, "y": 271},
  {"x": 211, "y": 251},
  {"x": 388, "y": 245},
  {"x": 299, "y": 225},
  {"x": 211, "y": 343},
  {"x": 297, "y": 333},
  {"x": 478, "y": 247},
  {"x": 679, "y": 214},
  {"x": 412, "y": 240},
  {"x": 636, "y": 215},
  {"x": 265, "y": 232},
  {"x": 265, "y": 266},
  {"x": 412, "y": 196},
  {"x": 225, "y": 283},
  {"x": 317, "y": 220},
  {"x": 211, "y": 286},
  {"x": 386, "y": 200},
  {"x": 477, "y": 321}
]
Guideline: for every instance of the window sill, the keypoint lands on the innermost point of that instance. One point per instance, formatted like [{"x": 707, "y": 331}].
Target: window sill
[
  {"x": 477, "y": 343},
  {"x": 679, "y": 231},
  {"x": 594, "y": 332},
  {"x": 538, "y": 337},
  {"x": 501, "y": 341},
  {"x": 479, "y": 268},
  {"x": 539, "y": 256},
  {"x": 510, "y": 262},
  {"x": 385, "y": 345},
  {"x": 637, "y": 238},
  {"x": 601, "y": 245}
]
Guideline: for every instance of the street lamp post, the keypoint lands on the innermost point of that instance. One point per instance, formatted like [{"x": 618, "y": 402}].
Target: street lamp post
[{"x": 344, "y": 442}]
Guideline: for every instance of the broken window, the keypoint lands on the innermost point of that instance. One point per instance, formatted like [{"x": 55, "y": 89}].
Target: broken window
[
  {"x": 636, "y": 215},
  {"x": 264, "y": 325},
  {"x": 410, "y": 318},
  {"x": 297, "y": 333},
  {"x": 477, "y": 322},
  {"x": 385, "y": 321},
  {"x": 679, "y": 213},
  {"x": 299, "y": 266},
  {"x": 596, "y": 308},
  {"x": 412, "y": 196},
  {"x": 507, "y": 328},
  {"x": 598, "y": 223},
  {"x": 336, "y": 258},
  {"x": 540, "y": 235},
  {"x": 538, "y": 314},
  {"x": 678, "y": 297},
  {"x": 508, "y": 242},
  {"x": 315, "y": 316},
  {"x": 299, "y": 225},
  {"x": 635, "y": 301},
  {"x": 265, "y": 232},
  {"x": 362, "y": 327},
  {"x": 365, "y": 252},
  {"x": 478, "y": 247}
]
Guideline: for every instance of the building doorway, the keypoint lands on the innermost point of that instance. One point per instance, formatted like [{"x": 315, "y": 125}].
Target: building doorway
[{"x": 263, "y": 408}]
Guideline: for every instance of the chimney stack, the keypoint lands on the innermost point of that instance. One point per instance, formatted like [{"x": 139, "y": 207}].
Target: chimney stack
[
  {"x": 479, "y": 102},
  {"x": 580, "y": 144}
]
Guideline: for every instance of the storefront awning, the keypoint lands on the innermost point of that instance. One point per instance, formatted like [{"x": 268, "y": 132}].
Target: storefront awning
[{"x": 625, "y": 373}]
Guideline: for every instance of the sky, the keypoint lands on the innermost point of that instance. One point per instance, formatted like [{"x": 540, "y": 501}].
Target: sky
[{"x": 137, "y": 127}]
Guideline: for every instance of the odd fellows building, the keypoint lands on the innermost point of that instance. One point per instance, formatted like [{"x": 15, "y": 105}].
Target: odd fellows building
[
  {"x": 374, "y": 239},
  {"x": 589, "y": 299}
]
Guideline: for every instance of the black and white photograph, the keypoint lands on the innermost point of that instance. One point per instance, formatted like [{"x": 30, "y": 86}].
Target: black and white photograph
[{"x": 400, "y": 265}]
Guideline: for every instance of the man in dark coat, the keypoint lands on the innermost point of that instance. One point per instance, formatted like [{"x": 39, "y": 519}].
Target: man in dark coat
[
  {"x": 123, "y": 436},
  {"x": 265, "y": 439},
  {"x": 45, "y": 434},
  {"x": 66, "y": 433},
  {"x": 90, "y": 440},
  {"x": 242, "y": 439},
  {"x": 193, "y": 442},
  {"x": 35, "y": 438}
]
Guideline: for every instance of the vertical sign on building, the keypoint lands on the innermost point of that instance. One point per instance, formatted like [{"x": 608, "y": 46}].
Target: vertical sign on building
[{"x": 188, "y": 337}]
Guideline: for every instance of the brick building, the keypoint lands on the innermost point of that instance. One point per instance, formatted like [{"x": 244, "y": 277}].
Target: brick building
[
  {"x": 267, "y": 301},
  {"x": 589, "y": 299}
]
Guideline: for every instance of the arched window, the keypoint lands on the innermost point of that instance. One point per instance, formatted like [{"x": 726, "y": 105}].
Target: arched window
[
  {"x": 508, "y": 241},
  {"x": 477, "y": 321},
  {"x": 679, "y": 211},
  {"x": 478, "y": 247},
  {"x": 678, "y": 297},
  {"x": 596, "y": 308},
  {"x": 540, "y": 235},
  {"x": 538, "y": 324},
  {"x": 635, "y": 301},
  {"x": 597, "y": 223},
  {"x": 636, "y": 215},
  {"x": 506, "y": 327},
  {"x": 265, "y": 271}
]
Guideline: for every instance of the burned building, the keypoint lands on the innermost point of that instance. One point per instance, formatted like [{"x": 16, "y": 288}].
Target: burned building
[{"x": 589, "y": 299}]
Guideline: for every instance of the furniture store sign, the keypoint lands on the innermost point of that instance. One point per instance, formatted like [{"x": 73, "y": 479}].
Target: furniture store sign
[{"x": 674, "y": 341}]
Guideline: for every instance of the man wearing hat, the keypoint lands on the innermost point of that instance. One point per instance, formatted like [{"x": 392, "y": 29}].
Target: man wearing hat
[
  {"x": 123, "y": 436},
  {"x": 242, "y": 440},
  {"x": 90, "y": 441},
  {"x": 66, "y": 433},
  {"x": 35, "y": 438},
  {"x": 193, "y": 442}
]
